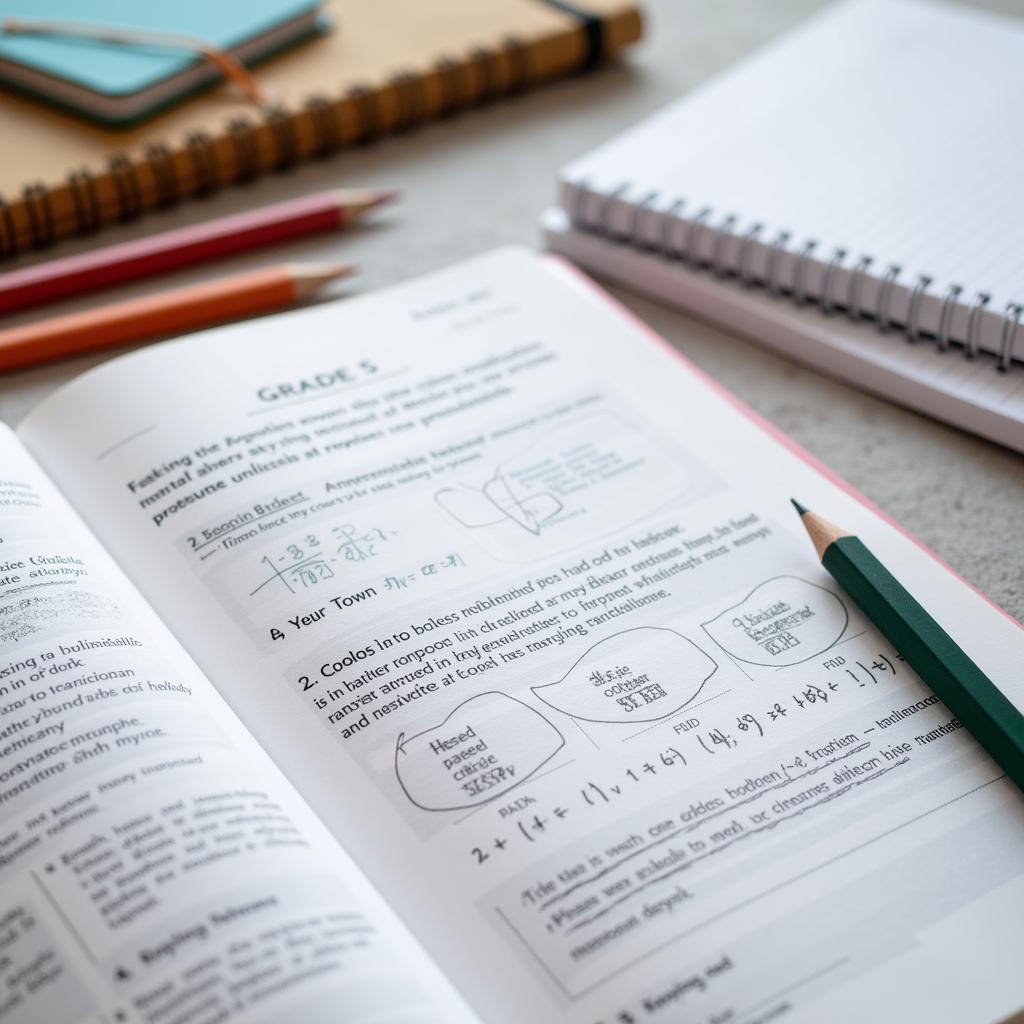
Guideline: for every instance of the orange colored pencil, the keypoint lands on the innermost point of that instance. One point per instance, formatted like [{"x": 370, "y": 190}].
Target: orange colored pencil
[{"x": 169, "y": 312}]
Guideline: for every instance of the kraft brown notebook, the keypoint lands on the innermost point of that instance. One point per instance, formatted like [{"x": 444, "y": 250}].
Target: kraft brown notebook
[{"x": 384, "y": 67}]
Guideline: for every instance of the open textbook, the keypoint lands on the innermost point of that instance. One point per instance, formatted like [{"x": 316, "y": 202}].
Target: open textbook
[{"x": 455, "y": 655}]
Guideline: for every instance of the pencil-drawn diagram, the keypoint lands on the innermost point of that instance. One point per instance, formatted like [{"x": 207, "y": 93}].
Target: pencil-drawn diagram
[
  {"x": 486, "y": 746},
  {"x": 638, "y": 675},
  {"x": 498, "y": 502},
  {"x": 783, "y": 621},
  {"x": 576, "y": 483}
]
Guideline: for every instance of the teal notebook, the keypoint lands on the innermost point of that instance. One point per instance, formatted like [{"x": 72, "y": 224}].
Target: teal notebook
[{"x": 120, "y": 85}]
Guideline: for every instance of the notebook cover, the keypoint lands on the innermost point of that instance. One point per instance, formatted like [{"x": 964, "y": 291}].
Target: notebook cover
[
  {"x": 115, "y": 70},
  {"x": 384, "y": 66}
]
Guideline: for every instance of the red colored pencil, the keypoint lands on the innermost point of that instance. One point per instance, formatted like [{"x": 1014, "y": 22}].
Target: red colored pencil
[{"x": 114, "y": 264}]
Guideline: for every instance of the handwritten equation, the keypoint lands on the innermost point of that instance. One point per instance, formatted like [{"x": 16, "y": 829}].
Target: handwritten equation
[
  {"x": 697, "y": 743},
  {"x": 303, "y": 564},
  {"x": 403, "y": 581}
]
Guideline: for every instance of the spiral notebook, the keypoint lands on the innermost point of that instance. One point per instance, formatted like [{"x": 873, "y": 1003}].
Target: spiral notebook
[
  {"x": 862, "y": 178},
  {"x": 384, "y": 67}
]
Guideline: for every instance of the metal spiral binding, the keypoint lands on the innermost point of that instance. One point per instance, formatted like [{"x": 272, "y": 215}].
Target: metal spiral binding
[
  {"x": 517, "y": 57},
  {"x": 799, "y": 292},
  {"x": 742, "y": 262},
  {"x": 1011, "y": 321},
  {"x": 127, "y": 187},
  {"x": 776, "y": 249},
  {"x": 577, "y": 197},
  {"x": 606, "y": 208},
  {"x": 40, "y": 215},
  {"x": 981, "y": 300},
  {"x": 449, "y": 77},
  {"x": 853, "y": 307},
  {"x": 884, "y": 292},
  {"x": 694, "y": 232},
  {"x": 484, "y": 59},
  {"x": 367, "y": 118},
  {"x": 953, "y": 293},
  {"x": 160, "y": 161},
  {"x": 410, "y": 100},
  {"x": 471, "y": 78},
  {"x": 326, "y": 129},
  {"x": 199, "y": 147},
  {"x": 688, "y": 252},
  {"x": 664, "y": 243},
  {"x": 286, "y": 140},
  {"x": 639, "y": 210},
  {"x": 914, "y": 308},
  {"x": 242, "y": 133},
  {"x": 85, "y": 200},
  {"x": 827, "y": 305},
  {"x": 722, "y": 235},
  {"x": 10, "y": 236}
]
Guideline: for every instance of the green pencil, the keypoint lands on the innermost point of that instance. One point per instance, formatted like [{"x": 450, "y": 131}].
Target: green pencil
[{"x": 930, "y": 651}]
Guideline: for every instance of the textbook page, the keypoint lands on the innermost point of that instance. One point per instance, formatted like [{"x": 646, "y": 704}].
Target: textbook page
[
  {"x": 154, "y": 865},
  {"x": 518, "y": 602}
]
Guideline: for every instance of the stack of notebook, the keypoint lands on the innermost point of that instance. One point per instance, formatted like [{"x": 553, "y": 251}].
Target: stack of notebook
[
  {"x": 381, "y": 68},
  {"x": 850, "y": 196}
]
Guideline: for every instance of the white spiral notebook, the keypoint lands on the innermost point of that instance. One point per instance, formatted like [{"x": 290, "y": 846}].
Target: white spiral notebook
[{"x": 852, "y": 195}]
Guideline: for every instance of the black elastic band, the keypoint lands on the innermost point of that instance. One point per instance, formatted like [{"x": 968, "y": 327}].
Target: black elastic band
[{"x": 593, "y": 31}]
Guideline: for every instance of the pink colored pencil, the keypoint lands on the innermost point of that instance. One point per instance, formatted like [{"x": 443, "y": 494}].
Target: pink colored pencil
[{"x": 115, "y": 264}]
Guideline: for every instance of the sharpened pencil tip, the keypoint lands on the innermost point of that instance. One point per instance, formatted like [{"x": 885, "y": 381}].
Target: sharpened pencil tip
[
  {"x": 355, "y": 202},
  {"x": 380, "y": 198},
  {"x": 800, "y": 508},
  {"x": 308, "y": 277}
]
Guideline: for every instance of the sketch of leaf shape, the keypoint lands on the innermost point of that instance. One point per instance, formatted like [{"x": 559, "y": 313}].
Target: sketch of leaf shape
[
  {"x": 783, "y": 621},
  {"x": 528, "y": 510},
  {"x": 468, "y": 506},
  {"x": 497, "y": 503},
  {"x": 485, "y": 747},
  {"x": 638, "y": 675}
]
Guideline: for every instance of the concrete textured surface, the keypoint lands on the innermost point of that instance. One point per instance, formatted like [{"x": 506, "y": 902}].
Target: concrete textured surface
[{"x": 481, "y": 180}]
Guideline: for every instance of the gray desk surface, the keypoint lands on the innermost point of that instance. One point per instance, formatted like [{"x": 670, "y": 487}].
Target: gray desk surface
[{"x": 480, "y": 181}]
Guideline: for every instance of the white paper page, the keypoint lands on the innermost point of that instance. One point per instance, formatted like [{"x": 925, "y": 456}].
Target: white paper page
[
  {"x": 154, "y": 865},
  {"x": 519, "y": 604},
  {"x": 879, "y": 129}
]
